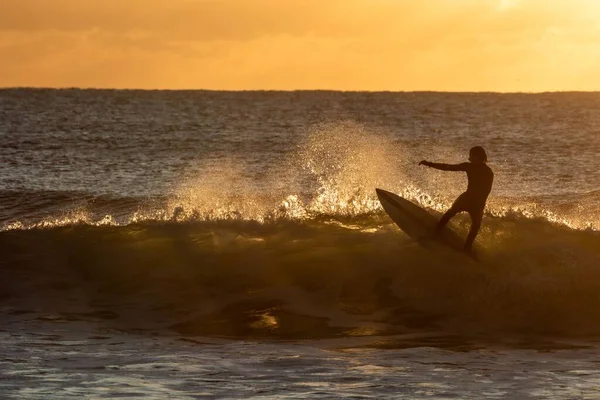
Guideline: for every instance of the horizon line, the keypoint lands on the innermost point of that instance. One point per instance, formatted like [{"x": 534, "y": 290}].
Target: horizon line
[{"x": 91, "y": 88}]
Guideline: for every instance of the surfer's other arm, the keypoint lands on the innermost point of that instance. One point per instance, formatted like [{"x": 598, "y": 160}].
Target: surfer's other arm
[{"x": 445, "y": 167}]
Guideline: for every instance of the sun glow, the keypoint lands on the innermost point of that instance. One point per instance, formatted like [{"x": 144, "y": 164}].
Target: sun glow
[{"x": 464, "y": 45}]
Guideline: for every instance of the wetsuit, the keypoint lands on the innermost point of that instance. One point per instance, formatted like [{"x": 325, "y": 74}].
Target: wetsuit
[{"x": 473, "y": 200}]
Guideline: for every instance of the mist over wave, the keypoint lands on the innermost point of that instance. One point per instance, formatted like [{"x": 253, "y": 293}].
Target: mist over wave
[{"x": 332, "y": 173}]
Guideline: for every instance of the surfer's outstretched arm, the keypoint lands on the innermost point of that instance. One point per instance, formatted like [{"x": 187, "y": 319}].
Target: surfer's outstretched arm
[{"x": 445, "y": 167}]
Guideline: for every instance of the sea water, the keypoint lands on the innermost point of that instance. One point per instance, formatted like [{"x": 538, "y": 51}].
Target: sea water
[{"x": 194, "y": 244}]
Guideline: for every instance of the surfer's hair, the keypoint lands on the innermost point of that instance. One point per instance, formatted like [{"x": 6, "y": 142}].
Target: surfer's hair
[{"x": 479, "y": 153}]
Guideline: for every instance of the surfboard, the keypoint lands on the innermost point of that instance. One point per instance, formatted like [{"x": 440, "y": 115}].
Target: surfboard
[{"x": 417, "y": 222}]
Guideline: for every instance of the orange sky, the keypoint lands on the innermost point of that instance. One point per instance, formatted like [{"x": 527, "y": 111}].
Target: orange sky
[{"x": 442, "y": 45}]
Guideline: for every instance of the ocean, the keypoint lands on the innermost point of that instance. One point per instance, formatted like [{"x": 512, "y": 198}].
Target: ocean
[{"x": 205, "y": 244}]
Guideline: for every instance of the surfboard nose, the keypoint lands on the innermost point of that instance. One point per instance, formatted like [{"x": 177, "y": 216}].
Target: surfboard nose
[
  {"x": 382, "y": 194},
  {"x": 380, "y": 191}
]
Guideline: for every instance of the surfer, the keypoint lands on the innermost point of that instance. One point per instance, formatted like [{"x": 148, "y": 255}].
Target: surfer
[{"x": 473, "y": 200}]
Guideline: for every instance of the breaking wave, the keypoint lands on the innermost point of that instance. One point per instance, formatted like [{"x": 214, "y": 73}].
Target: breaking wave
[
  {"x": 306, "y": 252},
  {"x": 298, "y": 279}
]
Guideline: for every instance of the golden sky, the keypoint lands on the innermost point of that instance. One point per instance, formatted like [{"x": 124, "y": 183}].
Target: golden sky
[{"x": 441, "y": 45}]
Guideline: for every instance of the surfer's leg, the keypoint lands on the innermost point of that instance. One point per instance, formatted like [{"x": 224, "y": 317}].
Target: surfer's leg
[
  {"x": 445, "y": 218},
  {"x": 458, "y": 206},
  {"x": 476, "y": 217}
]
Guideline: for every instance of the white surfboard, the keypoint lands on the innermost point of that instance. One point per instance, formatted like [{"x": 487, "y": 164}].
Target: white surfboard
[{"x": 417, "y": 222}]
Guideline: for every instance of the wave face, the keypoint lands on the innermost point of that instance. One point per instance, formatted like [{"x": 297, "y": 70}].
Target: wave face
[
  {"x": 254, "y": 214},
  {"x": 316, "y": 278}
]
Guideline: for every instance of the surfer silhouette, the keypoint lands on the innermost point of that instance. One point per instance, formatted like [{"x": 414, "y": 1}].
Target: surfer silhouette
[{"x": 474, "y": 198}]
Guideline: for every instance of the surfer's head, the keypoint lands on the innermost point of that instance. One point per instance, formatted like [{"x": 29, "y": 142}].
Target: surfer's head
[{"x": 477, "y": 155}]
